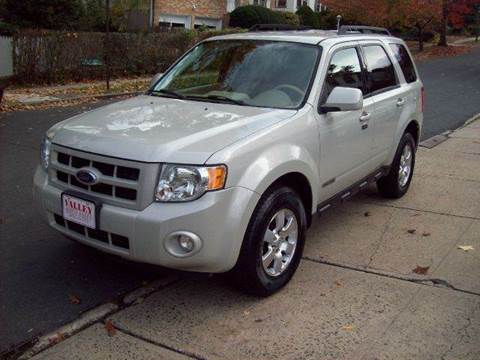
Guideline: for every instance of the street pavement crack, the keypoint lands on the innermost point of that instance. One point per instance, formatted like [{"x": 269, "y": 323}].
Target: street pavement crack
[
  {"x": 423, "y": 210},
  {"x": 380, "y": 241},
  {"x": 421, "y": 281},
  {"x": 156, "y": 343}
]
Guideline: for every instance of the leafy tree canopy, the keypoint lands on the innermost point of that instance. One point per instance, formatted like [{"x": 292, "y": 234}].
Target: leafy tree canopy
[{"x": 45, "y": 14}]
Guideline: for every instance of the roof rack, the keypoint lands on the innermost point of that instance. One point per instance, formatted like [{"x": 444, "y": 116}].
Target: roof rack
[
  {"x": 348, "y": 29},
  {"x": 278, "y": 27}
]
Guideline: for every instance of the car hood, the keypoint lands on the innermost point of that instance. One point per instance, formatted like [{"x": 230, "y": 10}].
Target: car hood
[{"x": 158, "y": 129}]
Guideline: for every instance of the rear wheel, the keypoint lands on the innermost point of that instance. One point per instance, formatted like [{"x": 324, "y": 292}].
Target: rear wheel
[
  {"x": 397, "y": 182},
  {"x": 273, "y": 243}
]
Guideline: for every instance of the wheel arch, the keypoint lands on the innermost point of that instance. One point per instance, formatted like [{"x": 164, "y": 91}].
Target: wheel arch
[{"x": 301, "y": 185}]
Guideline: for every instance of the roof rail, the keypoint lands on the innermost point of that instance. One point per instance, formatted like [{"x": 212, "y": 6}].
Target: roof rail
[
  {"x": 278, "y": 27},
  {"x": 348, "y": 29}
]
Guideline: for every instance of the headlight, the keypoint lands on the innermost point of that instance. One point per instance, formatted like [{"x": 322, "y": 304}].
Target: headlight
[
  {"x": 187, "y": 183},
  {"x": 45, "y": 152}
]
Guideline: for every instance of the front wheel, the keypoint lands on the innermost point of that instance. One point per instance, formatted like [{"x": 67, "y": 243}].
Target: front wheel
[
  {"x": 397, "y": 182},
  {"x": 273, "y": 244}
]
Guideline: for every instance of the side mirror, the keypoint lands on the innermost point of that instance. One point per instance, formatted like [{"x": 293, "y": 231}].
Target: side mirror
[
  {"x": 155, "y": 79},
  {"x": 343, "y": 99}
]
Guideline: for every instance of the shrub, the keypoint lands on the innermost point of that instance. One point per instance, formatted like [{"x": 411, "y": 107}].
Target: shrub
[
  {"x": 249, "y": 15},
  {"x": 289, "y": 17},
  {"x": 327, "y": 20},
  {"x": 60, "y": 56},
  {"x": 7, "y": 29},
  {"x": 308, "y": 17}
]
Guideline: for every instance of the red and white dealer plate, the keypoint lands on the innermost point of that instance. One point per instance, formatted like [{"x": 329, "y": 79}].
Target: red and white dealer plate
[{"x": 79, "y": 211}]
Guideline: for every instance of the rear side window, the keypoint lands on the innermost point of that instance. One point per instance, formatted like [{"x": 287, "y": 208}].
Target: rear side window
[
  {"x": 344, "y": 70},
  {"x": 406, "y": 63},
  {"x": 380, "y": 72}
]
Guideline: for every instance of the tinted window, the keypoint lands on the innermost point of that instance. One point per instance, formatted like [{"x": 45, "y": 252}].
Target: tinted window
[
  {"x": 344, "y": 70},
  {"x": 405, "y": 62},
  {"x": 381, "y": 74}
]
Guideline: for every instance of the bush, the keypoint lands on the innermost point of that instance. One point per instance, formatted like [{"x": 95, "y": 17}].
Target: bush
[
  {"x": 327, "y": 20},
  {"x": 7, "y": 29},
  {"x": 249, "y": 15},
  {"x": 289, "y": 17},
  {"x": 308, "y": 17}
]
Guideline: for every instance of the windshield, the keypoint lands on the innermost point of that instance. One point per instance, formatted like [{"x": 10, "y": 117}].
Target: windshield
[{"x": 245, "y": 72}]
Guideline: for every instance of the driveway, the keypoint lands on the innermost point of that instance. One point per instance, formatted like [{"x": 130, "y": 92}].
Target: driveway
[{"x": 42, "y": 274}]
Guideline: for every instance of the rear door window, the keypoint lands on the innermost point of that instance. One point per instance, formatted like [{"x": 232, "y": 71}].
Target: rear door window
[
  {"x": 344, "y": 70},
  {"x": 406, "y": 63},
  {"x": 380, "y": 71}
]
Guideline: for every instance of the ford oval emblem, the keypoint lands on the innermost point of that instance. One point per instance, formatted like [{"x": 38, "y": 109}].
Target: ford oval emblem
[{"x": 87, "y": 177}]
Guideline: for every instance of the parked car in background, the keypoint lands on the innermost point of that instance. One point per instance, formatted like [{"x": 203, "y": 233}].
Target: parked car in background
[{"x": 222, "y": 164}]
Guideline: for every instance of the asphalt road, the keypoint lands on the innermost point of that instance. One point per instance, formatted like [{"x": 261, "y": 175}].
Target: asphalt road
[
  {"x": 40, "y": 269},
  {"x": 452, "y": 91}
]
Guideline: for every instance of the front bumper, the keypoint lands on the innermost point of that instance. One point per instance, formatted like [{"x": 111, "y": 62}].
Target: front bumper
[{"x": 219, "y": 218}]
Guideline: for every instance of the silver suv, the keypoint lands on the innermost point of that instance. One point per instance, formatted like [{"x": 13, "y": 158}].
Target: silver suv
[{"x": 222, "y": 164}]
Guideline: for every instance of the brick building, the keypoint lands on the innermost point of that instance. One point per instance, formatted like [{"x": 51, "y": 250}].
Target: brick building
[{"x": 192, "y": 14}]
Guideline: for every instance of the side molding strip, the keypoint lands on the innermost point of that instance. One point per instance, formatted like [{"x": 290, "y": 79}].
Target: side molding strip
[{"x": 352, "y": 190}]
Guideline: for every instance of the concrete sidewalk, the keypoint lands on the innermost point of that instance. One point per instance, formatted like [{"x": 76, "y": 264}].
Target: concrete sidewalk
[{"x": 355, "y": 295}]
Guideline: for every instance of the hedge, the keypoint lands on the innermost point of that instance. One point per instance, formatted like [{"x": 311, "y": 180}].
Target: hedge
[{"x": 59, "y": 56}]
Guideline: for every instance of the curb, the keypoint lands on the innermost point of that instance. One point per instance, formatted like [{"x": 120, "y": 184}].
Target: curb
[
  {"x": 55, "y": 337},
  {"x": 471, "y": 120},
  {"x": 438, "y": 139},
  {"x": 94, "y": 315}
]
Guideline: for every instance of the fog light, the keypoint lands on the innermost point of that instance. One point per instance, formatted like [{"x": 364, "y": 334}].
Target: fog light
[
  {"x": 182, "y": 243},
  {"x": 185, "y": 243}
]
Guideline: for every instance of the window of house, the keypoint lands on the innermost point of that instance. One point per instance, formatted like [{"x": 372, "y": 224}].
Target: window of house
[
  {"x": 260, "y": 2},
  {"x": 344, "y": 70},
  {"x": 405, "y": 62},
  {"x": 174, "y": 22},
  {"x": 281, "y": 4},
  {"x": 300, "y": 3},
  {"x": 209, "y": 23},
  {"x": 380, "y": 71}
]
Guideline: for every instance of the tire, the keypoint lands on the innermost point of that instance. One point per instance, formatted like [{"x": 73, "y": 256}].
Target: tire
[
  {"x": 396, "y": 183},
  {"x": 252, "y": 274}
]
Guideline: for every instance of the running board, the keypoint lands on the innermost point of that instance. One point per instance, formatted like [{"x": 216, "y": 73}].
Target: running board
[{"x": 346, "y": 194}]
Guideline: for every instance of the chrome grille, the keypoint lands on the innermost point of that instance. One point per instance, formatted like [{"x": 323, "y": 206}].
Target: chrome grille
[{"x": 122, "y": 183}]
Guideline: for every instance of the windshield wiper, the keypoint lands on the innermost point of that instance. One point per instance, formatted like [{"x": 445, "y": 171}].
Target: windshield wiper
[
  {"x": 226, "y": 99},
  {"x": 171, "y": 93}
]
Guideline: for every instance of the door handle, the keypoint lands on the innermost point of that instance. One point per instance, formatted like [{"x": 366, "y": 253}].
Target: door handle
[
  {"x": 400, "y": 102},
  {"x": 365, "y": 117}
]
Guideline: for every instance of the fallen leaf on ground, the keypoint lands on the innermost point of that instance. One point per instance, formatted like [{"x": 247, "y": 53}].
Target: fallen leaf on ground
[
  {"x": 110, "y": 328},
  {"x": 465, "y": 247},
  {"x": 73, "y": 299},
  {"x": 56, "y": 339},
  {"x": 246, "y": 313},
  {"x": 348, "y": 327},
  {"x": 421, "y": 270},
  {"x": 411, "y": 231},
  {"x": 337, "y": 283},
  {"x": 426, "y": 233}
]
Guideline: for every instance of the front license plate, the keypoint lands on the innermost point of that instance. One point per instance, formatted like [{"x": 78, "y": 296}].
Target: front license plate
[{"x": 79, "y": 211}]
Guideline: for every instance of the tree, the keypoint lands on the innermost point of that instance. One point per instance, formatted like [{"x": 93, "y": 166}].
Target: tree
[
  {"x": 455, "y": 13},
  {"x": 422, "y": 15},
  {"x": 43, "y": 14}
]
